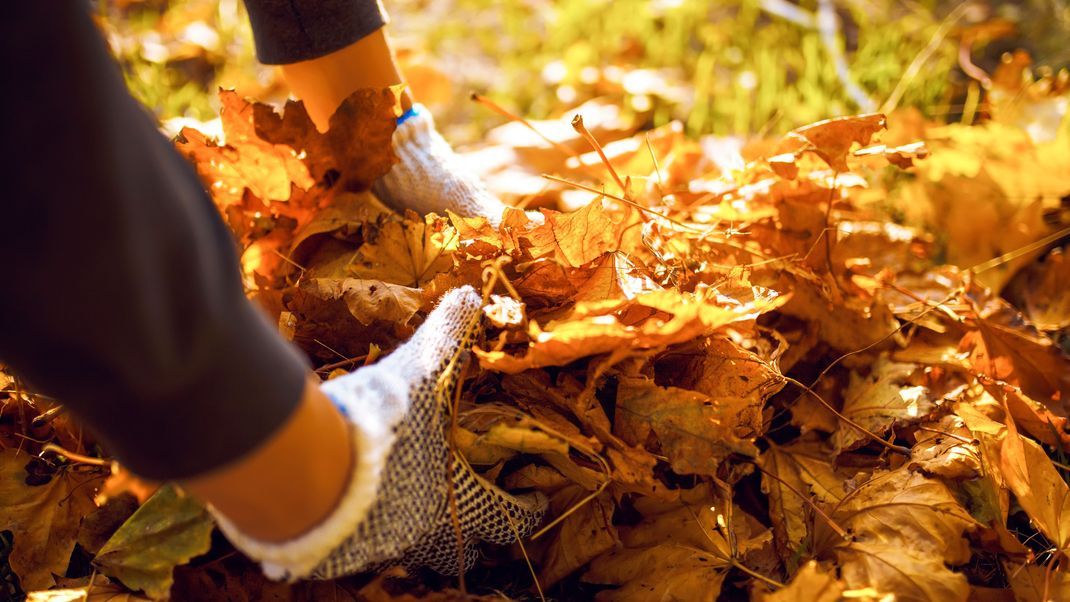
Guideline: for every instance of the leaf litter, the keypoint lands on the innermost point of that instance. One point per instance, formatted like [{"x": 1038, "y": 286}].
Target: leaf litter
[{"x": 742, "y": 382}]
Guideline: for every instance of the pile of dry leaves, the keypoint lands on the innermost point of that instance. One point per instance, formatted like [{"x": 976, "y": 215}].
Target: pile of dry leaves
[{"x": 729, "y": 381}]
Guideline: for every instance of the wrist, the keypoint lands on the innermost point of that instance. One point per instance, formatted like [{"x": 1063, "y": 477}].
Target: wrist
[{"x": 292, "y": 481}]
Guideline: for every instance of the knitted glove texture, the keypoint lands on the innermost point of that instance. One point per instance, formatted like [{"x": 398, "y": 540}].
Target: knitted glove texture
[{"x": 397, "y": 508}]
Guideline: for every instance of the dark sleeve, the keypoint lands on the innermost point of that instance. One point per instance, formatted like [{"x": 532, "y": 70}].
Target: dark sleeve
[
  {"x": 289, "y": 31},
  {"x": 121, "y": 292}
]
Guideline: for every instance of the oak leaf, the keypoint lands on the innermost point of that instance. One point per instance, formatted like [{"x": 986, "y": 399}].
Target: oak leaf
[{"x": 44, "y": 518}]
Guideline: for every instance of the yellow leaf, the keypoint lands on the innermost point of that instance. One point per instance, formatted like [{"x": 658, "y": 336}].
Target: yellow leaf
[{"x": 409, "y": 251}]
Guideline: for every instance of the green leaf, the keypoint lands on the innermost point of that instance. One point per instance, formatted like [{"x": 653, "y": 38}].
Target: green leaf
[{"x": 167, "y": 531}]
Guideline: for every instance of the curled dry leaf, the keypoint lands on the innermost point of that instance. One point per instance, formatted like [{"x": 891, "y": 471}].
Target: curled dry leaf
[
  {"x": 244, "y": 161},
  {"x": 596, "y": 328},
  {"x": 788, "y": 473},
  {"x": 880, "y": 401},
  {"x": 368, "y": 300},
  {"x": 946, "y": 449},
  {"x": 832, "y": 139},
  {"x": 504, "y": 312}
]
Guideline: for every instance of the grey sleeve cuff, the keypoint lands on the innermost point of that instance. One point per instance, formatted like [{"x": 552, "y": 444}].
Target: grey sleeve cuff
[{"x": 290, "y": 31}]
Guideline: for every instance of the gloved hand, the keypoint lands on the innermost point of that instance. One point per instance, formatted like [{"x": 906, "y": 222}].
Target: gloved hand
[
  {"x": 430, "y": 177},
  {"x": 396, "y": 509}
]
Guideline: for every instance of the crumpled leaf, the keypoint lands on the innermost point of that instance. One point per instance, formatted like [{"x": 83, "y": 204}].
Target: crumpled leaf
[
  {"x": 694, "y": 431},
  {"x": 946, "y": 449},
  {"x": 504, "y": 311},
  {"x": 594, "y": 330},
  {"x": 832, "y": 139},
  {"x": 880, "y": 401},
  {"x": 368, "y": 300},
  {"x": 801, "y": 468},
  {"x": 168, "y": 530},
  {"x": 245, "y": 160},
  {"x": 905, "y": 528},
  {"x": 43, "y": 517}
]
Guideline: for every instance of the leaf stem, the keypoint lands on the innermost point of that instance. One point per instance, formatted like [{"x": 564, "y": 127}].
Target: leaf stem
[{"x": 891, "y": 447}]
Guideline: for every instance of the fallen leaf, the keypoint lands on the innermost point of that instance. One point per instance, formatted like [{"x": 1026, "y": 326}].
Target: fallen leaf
[
  {"x": 812, "y": 583},
  {"x": 1020, "y": 358},
  {"x": 591, "y": 331},
  {"x": 694, "y": 431},
  {"x": 245, "y": 161},
  {"x": 788, "y": 473},
  {"x": 946, "y": 449},
  {"x": 358, "y": 141},
  {"x": 880, "y": 401},
  {"x": 167, "y": 530},
  {"x": 676, "y": 554},
  {"x": 408, "y": 252},
  {"x": 905, "y": 530},
  {"x": 43, "y": 516},
  {"x": 1041, "y": 287},
  {"x": 586, "y": 533},
  {"x": 368, "y": 300},
  {"x": 832, "y": 139}
]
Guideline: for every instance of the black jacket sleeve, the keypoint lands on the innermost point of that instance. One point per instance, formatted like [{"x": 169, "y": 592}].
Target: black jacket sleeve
[
  {"x": 121, "y": 294},
  {"x": 289, "y": 31}
]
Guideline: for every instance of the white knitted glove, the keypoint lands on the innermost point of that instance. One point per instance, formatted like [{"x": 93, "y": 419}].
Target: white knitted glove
[
  {"x": 430, "y": 178},
  {"x": 397, "y": 509}
]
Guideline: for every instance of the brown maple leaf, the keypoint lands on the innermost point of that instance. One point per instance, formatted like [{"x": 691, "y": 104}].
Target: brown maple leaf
[{"x": 43, "y": 517}]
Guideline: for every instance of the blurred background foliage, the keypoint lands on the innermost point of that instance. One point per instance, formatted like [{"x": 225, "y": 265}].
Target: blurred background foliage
[{"x": 732, "y": 68}]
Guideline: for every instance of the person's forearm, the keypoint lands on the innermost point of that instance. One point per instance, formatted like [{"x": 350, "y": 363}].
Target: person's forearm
[
  {"x": 292, "y": 481},
  {"x": 324, "y": 82},
  {"x": 129, "y": 306}
]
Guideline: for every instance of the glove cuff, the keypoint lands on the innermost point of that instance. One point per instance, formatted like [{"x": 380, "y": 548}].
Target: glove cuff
[
  {"x": 298, "y": 557},
  {"x": 429, "y": 177}
]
